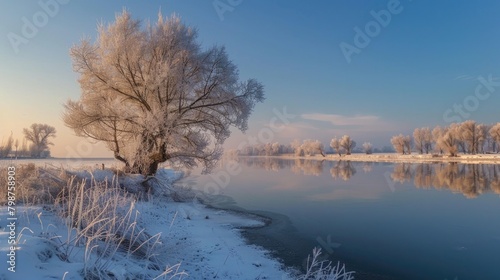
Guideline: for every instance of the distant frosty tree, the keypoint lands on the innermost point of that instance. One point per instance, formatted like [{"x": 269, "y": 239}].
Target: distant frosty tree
[
  {"x": 335, "y": 144},
  {"x": 418, "y": 139},
  {"x": 495, "y": 133},
  {"x": 272, "y": 149},
  {"x": 467, "y": 132},
  {"x": 473, "y": 136},
  {"x": 407, "y": 144},
  {"x": 427, "y": 135},
  {"x": 401, "y": 143},
  {"x": 422, "y": 139},
  {"x": 347, "y": 144},
  {"x": 297, "y": 147},
  {"x": 449, "y": 140},
  {"x": 437, "y": 133},
  {"x": 276, "y": 148},
  {"x": 312, "y": 147},
  {"x": 367, "y": 148},
  {"x": 153, "y": 95},
  {"x": 482, "y": 137},
  {"x": 39, "y": 135}
]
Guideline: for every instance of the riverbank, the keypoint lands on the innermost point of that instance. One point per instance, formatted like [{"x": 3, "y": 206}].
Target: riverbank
[
  {"x": 177, "y": 240},
  {"x": 399, "y": 158}
]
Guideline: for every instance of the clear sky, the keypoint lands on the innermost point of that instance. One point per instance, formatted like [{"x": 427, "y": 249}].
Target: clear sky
[{"x": 340, "y": 67}]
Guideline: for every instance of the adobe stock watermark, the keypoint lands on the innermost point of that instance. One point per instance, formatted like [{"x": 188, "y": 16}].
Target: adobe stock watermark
[
  {"x": 223, "y": 6},
  {"x": 222, "y": 178},
  {"x": 373, "y": 28},
  {"x": 470, "y": 104},
  {"x": 32, "y": 25}
]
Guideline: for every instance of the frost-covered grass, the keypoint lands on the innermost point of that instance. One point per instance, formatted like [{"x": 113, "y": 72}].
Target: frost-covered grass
[
  {"x": 323, "y": 270},
  {"x": 103, "y": 219},
  {"x": 84, "y": 224}
]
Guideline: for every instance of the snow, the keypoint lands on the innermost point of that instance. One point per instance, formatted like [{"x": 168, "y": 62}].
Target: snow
[{"x": 205, "y": 243}]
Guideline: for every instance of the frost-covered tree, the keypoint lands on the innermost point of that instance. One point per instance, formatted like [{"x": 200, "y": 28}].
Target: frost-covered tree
[
  {"x": 449, "y": 140},
  {"x": 39, "y": 135},
  {"x": 367, "y": 148},
  {"x": 437, "y": 133},
  {"x": 407, "y": 143},
  {"x": 298, "y": 150},
  {"x": 154, "y": 95},
  {"x": 276, "y": 148},
  {"x": 272, "y": 149},
  {"x": 482, "y": 137},
  {"x": 422, "y": 139},
  {"x": 418, "y": 139},
  {"x": 427, "y": 135},
  {"x": 495, "y": 133},
  {"x": 335, "y": 144},
  {"x": 347, "y": 144},
  {"x": 467, "y": 132},
  {"x": 473, "y": 136},
  {"x": 401, "y": 143},
  {"x": 312, "y": 147}
]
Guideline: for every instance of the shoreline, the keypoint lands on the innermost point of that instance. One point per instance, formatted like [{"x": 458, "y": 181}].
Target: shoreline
[
  {"x": 203, "y": 240},
  {"x": 396, "y": 158}
]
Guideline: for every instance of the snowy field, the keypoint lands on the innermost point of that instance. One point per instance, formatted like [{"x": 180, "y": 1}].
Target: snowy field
[{"x": 97, "y": 232}]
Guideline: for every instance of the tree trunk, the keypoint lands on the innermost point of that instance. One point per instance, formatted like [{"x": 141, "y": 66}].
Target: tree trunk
[
  {"x": 146, "y": 169},
  {"x": 148, "y": 157}
]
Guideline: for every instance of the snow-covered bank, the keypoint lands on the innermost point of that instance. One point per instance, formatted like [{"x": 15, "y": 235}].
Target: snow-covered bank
[
  {"x": 190, "y": 240},
  {"x": 205, "y": 242},
  {"x": 411, "y": 158}
]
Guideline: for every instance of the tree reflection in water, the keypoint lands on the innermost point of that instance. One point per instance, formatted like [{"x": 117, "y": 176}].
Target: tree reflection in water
[
  {"x": 308, "y": 167},
  {"x": 471, "y": 180},
  {"x": 342, "y": 170}
]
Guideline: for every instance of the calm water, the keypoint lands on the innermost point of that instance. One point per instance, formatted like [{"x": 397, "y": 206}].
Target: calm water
[{"x": 386, "y": 221}]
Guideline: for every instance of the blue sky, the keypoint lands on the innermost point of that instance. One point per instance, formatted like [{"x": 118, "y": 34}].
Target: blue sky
[{"x": 420, "y": 64}]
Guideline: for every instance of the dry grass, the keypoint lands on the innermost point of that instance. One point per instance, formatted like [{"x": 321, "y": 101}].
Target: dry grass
[
  {"x": 101, "y": 220},
  {"x": 34, "y": 185}
]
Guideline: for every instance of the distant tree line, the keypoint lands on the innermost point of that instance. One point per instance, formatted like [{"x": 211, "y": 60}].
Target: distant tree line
[
  {"x": 306, "y": 147},
  {"x": 468, "y": 137},
  {"x": 35, "y": 143},
  {"x": 269, "y": 149}
]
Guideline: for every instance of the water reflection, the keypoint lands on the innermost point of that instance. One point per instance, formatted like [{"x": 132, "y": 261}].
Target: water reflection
[
  {"x": 471, "y": 180},
  {"x": 307, "y": 167},
  {"x": 343, "y": 170}
]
